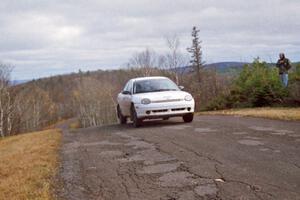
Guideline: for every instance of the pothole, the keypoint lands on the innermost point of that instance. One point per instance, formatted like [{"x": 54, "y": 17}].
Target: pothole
[
  {"x": 206, "y": 190},
  {"x": 278, "y": 133},
  {"x": 284, "y": 131},
  {"x": 239, "y": 133},
  {"x": 105, "y": 142},
  {"x": 137, "y": 144},
  {"x": 264, "y": 149},
  {"x": 252, "y": 138},
  {"x": 204, "y": 130},
  {"x": 260, "y": 128},
  {"x": 72, "y": 145},
  {"x": 160, "y": 168},
  {"x": 111, "y": 153},
  {"x": 294, "y": 135},
  {"x": 250, "y": 142},
  {"x": 187, "y": 195},
  {"x": 125, "y": 135},
  {"x": 149, "y": 157},
  {"x": 177, "y": 179},
  {"x": 91, "y": 168},
  {"x": 179, "y": 127}
]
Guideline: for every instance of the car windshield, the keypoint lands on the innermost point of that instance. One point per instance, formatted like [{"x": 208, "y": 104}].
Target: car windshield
[{"x": 154, "y": 85}]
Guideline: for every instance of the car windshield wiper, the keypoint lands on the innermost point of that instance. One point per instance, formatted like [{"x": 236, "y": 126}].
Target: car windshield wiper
[
  {"x": 140, "y": 92},
  {"x": 161, "y": 90}
]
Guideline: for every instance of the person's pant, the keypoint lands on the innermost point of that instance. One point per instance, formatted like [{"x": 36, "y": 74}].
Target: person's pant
[{"x": 284, "y": 79}]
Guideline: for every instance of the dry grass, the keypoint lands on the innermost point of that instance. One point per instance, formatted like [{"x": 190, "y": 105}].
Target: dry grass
[
  {"x": 55, "y": 125},
  {"x": 271, "y": 113},
  {"x": 28, "y": 164},
  {"x": 75, "y": 125}
]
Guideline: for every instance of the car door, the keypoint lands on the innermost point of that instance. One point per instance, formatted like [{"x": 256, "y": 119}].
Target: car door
[{"x": 125, "y": 99}]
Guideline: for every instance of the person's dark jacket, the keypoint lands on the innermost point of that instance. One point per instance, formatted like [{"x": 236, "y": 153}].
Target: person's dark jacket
[{"x": 283, "y": 65}]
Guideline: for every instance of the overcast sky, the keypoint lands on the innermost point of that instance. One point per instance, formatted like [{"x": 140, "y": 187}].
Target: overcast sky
[{"x": 47, "y": 37}]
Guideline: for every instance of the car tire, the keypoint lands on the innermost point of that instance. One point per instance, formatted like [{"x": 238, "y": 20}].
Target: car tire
[
  {"x": 188, "y": 117},
  {"x": 165, "y": 118},
  {"x": 136, "y": 121},
  {"x": 122, "y": 119}
]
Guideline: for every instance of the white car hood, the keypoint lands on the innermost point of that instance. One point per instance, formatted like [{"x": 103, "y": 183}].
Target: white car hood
[{"x": 160, "y": 96}]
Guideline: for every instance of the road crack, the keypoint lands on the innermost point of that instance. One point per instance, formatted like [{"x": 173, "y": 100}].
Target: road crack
[
  {"x": 197, "y": 153},
  {"x": 253, "y": 188},
  {"x": 123, "y": 183}
]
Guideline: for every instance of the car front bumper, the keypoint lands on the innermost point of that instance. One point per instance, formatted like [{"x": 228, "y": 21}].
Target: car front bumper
[{"x": 161, "y": 110}]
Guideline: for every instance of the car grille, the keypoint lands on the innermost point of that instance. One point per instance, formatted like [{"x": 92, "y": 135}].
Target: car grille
[
  {"x": 148, "y": 112},
  {"x": 166, "y": 100},
  {"x": 178, "y": 109},
  {"x": 159, "y": 111}
]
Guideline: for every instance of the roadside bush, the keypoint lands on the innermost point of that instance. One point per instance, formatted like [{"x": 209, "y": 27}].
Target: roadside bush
[
  {"x": 218, "y": 103},
  {"x": 295, "y": 74},
  {"x": 257, "y": 85},
  {"x": 294, "y": 86}
]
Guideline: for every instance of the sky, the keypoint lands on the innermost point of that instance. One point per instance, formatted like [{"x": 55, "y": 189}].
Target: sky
[{"x": 47, "y": 37}]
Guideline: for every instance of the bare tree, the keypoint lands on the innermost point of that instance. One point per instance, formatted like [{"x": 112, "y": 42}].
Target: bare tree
[
  {"x": 196, "y": 52},
  {"x": 95, "y": 102},
  {"x": 5, "y": 101},
  {"x": 174, "y": 59},
  {"x": 33, "y": 109},
  {"x": 22, "y": 109},
  {"x": 145, "y": 60}
]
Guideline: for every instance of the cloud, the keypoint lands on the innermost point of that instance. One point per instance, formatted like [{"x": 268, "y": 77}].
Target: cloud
[{"x": 51, "y": 37}]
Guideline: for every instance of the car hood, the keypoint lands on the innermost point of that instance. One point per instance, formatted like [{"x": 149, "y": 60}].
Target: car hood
[{"x": 161, "y": 96}]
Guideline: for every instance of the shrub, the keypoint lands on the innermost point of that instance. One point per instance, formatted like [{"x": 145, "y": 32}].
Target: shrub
[
  {"x": 257, "y": 85},
  {"x": 294, "y": 85}
]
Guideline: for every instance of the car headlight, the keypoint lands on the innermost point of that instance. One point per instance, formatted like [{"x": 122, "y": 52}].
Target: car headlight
[
  {"x": 146, "y": 101},
  {"x": 188, "y": 97}
]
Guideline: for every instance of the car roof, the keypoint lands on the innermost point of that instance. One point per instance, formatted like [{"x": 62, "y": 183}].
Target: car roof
[{"x": 148, "y": 78}]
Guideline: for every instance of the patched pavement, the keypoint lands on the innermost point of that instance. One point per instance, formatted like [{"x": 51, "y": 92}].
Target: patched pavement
[{"x": 215, "y": 157}]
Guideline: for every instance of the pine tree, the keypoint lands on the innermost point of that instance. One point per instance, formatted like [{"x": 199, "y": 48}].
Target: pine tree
[{"x": 196, "y": 52}]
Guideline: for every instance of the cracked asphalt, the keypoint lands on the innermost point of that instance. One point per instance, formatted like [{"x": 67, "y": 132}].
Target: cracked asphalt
[{"x": 215, "y": 157}]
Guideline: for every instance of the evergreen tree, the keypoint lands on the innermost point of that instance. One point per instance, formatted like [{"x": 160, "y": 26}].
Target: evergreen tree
[{"x": 196, "y": 52}]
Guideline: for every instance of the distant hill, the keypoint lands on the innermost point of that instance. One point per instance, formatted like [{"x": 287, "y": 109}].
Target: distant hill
[
  {"x": 17, "y": 82},
  {"x": 221, "y": 67},
  {"x": 225, "y": 67}
]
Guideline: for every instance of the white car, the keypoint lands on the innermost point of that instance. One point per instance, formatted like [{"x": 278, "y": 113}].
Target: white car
[{"x": 154, "y": 98}]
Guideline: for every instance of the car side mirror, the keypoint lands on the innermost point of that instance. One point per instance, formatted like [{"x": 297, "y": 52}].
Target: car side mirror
[
  {"x": 181, "y": 87},
  {"x": 126, "y": 92}
]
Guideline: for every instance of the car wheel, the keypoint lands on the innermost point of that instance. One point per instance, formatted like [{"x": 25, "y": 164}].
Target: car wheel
[
  {"x": 121, "y": 118},
  {"x": 136, "y": 121},
  {"x": 188, "y": 117}
]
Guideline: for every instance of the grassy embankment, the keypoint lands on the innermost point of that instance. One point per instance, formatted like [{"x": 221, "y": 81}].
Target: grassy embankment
[
  {"x": 74, "y": 125},
  {"x": 28, "y": 164},
  {"x": 270, "y": 113}
]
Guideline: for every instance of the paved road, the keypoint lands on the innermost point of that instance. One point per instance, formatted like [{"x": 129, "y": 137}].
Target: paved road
[{"x": 215, "y": 157}]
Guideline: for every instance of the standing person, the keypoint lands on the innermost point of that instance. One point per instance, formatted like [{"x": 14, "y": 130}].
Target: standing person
[{"x": 283, "y": 64}]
